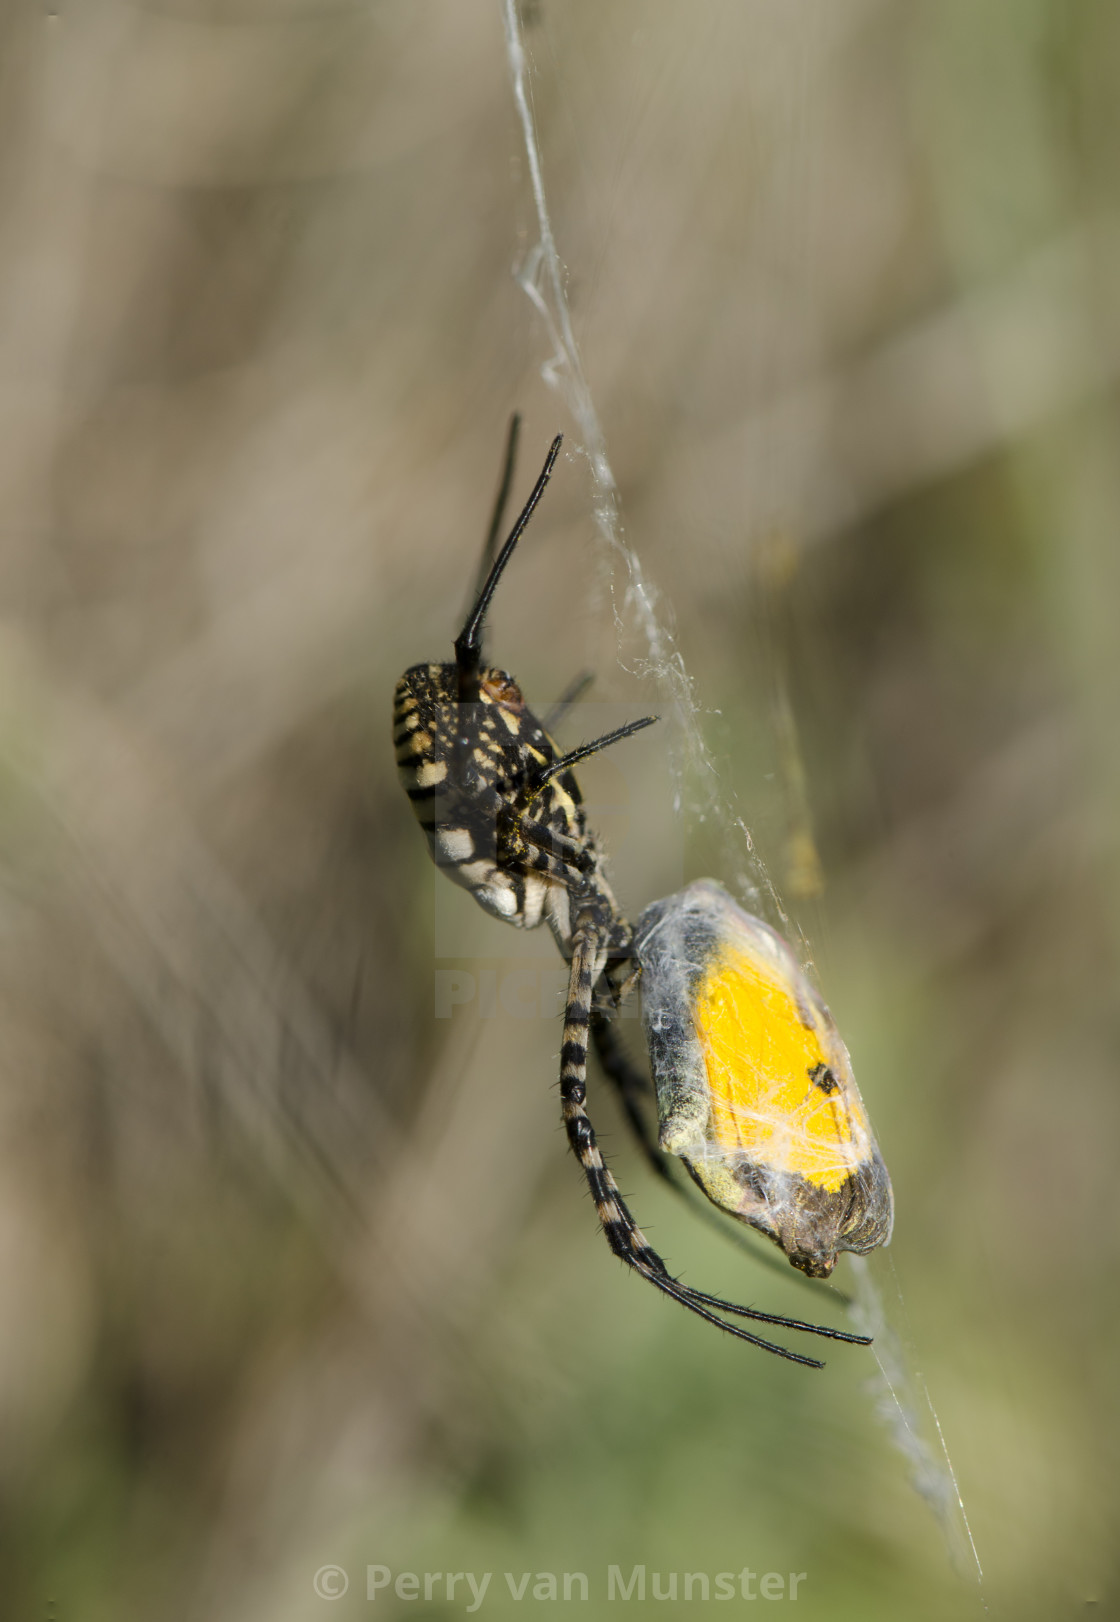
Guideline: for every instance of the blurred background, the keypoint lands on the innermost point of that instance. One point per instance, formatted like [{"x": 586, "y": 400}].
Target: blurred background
[{"x": 295, "y": 1269}]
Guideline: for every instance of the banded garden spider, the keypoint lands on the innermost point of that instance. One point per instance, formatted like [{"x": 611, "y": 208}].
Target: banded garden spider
[{"x": 504, "y": 818}]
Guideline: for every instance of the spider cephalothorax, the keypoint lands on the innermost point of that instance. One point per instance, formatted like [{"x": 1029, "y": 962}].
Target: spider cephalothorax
[
  {"x": 503, "y": 815},
  {"x": 476, "y": 776}
]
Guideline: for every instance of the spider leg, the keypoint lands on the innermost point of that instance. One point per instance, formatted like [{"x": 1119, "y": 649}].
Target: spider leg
[
  {"x": 486, "y": 562},
  {"x": 564, "y": 763},
  {"x": 569, "y": 859},
  {"x": 625, "y": 1238},
  {"x": 620, "y": 973},
  {"x": 560, "y": 856},
  {"x": 468, "y": 644},
  {"x": 633, "y": 1091},
  {"x": 568, "y": 697}
]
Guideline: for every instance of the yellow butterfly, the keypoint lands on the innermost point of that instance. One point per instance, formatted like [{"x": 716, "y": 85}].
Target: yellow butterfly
[{"x": 755, "y": 1091}]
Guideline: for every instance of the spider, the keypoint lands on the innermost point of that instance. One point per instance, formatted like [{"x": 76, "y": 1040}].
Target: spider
[{"x": 502, "y": 812}]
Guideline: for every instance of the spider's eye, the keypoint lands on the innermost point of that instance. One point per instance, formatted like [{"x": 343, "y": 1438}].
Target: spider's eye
[{"x": 501, "y": 689}]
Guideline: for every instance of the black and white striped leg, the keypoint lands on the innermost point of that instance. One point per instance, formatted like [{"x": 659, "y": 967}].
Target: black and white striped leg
[
  {"x": 632, "y": 1088},
  {"x": 566, "y": 858},
  {"x": 624, "y": 1236}
]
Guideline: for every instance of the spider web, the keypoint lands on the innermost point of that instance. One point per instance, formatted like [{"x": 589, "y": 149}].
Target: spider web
[
  {"x": 901, "y": 1398},
  {"x": 541, "y": 276}
]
